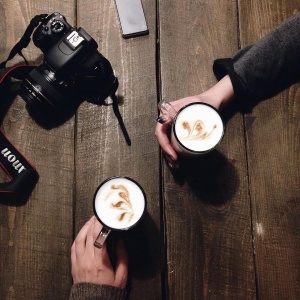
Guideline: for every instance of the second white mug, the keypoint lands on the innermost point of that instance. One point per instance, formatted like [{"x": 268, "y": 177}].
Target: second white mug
[{"x": 119, "y": 203}]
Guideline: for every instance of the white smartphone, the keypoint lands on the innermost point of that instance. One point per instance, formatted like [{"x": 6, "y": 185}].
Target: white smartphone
[{"x": 132, "y": 18}]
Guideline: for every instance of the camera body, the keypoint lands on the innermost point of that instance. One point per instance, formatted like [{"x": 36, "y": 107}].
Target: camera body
[{"x": 72, "y": 71}]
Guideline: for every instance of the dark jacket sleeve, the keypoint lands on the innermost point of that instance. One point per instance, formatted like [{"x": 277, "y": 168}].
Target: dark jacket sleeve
[
  {"x": 269, "y": 66},
  {"x": 89, "y": 291}
]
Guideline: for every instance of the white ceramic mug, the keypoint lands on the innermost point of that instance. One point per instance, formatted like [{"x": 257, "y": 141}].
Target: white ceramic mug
[
  {"x": 119, "y": 204},
  {"x": 197, "y": 128}
]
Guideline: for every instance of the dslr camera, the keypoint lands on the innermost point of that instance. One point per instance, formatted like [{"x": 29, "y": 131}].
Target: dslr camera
[{"x": 72, "y": 71}]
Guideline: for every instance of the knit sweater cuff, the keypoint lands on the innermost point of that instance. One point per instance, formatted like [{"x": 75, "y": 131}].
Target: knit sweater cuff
[
  {"x": 224, "y": 66},
  {"x": 88, "y": 291}
]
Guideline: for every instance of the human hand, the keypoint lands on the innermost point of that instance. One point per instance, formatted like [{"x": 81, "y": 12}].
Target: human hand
[
  {"x": 93, "y": 265},
  {"x": 218, "y": 96}
]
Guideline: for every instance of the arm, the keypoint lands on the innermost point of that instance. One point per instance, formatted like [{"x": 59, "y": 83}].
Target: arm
[
  {"x": 256, "y": 72},
  {"x": 269, "y": 66},
  {"x": 93, "y": 274}
]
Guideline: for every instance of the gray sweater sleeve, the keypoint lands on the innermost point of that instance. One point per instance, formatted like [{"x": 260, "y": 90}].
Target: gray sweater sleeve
[
  {"x": 91, "y": 291},
  {"x": 269, "y": 66}
]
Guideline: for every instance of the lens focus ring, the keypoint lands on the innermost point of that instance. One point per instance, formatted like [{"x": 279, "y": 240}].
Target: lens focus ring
[{"x": 48, "y": 91}]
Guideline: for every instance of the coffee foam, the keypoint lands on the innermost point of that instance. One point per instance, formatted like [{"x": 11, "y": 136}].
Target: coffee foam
[
  {"x": 199, "y": 127},
  {"x": 119, "y": 203}
]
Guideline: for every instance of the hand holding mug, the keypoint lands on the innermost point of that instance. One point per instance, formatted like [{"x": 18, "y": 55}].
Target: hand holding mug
[
  {"x": 218, "y": 96},
  {"x": 90, "y": 264},
  {"x": 119, "y": 204}
]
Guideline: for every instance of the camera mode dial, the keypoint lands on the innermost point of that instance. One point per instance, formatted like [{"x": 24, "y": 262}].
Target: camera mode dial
[{"x": 57, "y": 26}]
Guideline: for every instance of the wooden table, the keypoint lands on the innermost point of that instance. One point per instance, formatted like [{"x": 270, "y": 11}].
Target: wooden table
[{"x": 225, "y": 227}]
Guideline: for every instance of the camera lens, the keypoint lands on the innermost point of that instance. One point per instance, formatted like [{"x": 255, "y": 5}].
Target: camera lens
[
  {"x": 49, "y": 101},
  {"x": 57, "y": 26}
]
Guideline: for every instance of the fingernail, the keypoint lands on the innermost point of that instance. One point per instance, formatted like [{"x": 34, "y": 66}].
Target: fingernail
[
  {"x": 172, "y": 162},
  {"x": 174, "y": 166},
  {"x": 171, "y": 157},
  {"x": 170, "y": 165},
  {"x": 162, "y": 119}
]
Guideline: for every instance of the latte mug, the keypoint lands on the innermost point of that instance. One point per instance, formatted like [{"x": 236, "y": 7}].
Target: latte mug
[
  {"x": 197, "y": 128},
  {"x": 119, "y": 203}
]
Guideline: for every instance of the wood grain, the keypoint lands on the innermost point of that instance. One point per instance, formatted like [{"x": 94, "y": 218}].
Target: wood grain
[
  {"x": 225, "y": 226},
  {"x": 101, "y": 150},
  {"x": 36, "y": 237},
  {"x": 273, "y": 143},
  {"x": 207, "y": 209}
]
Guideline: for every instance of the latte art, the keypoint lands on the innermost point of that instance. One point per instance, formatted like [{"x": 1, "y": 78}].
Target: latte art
[
  {"x": 197, "y": 128},
  {"x": 119, "y": 203}
]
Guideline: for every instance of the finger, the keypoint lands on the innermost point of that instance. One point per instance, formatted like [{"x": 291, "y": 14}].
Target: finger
[
  {"x": 90, "y": 238},
  {"x": 97, "y": 227},
  {"x": 164, "y": 142},
  {"x": 73, "y": 253},
  {"x": 80, "y": 240},
  {"x": 102, "y": 256},
  {"x": 121, "y": 274},
  {"x": 74, "y": 262},
  {"x": 100, "y": 253},
  {"x": 172, "y": 163}
]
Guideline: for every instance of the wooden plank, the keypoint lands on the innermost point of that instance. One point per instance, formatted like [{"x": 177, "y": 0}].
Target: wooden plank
[
  {"x": 274, "y": 167},
  {"x": 101, "y": 150},
  {"x": 207, "y": 209},
  {"x": 36, "y": 237}
]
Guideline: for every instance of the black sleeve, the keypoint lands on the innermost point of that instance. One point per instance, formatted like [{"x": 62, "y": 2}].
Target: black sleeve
[{"x": 269, "y": 66}]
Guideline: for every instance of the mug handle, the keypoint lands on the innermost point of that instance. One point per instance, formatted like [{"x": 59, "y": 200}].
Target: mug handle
[
  {"x": 99, "y": 242},
  {"x": 166, "y": 108}
]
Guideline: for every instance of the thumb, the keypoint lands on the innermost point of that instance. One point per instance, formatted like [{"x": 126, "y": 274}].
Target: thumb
[{"x": 121, "y": 265}]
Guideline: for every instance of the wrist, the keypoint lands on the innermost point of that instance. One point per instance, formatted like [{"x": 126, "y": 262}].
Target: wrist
[{"x": 222, "y": 92}]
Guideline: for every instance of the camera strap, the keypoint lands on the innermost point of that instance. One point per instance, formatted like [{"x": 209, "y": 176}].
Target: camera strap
[
  {"x": 22, "y": 173},
  {"x": 118, "y": 115},
  {"x": 24, "y": 41}
]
